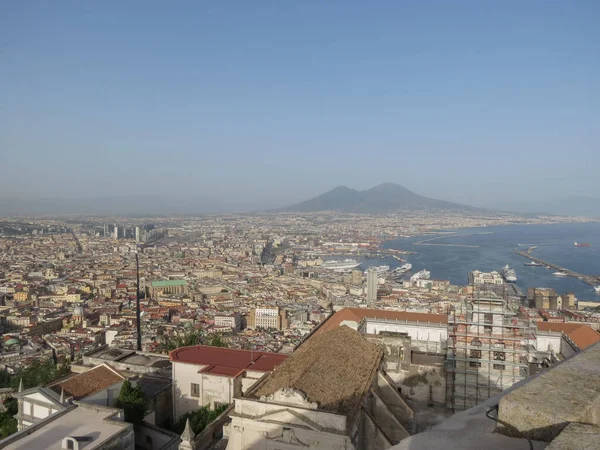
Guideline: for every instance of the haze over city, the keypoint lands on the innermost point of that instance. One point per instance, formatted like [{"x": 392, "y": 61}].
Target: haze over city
[{"x": 252, "y": 105}]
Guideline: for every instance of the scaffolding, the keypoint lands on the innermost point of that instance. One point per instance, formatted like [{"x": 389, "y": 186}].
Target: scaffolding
[{"x": 489, "y": 350}]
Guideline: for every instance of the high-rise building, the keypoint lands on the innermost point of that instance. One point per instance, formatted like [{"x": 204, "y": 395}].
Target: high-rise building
[
  {"x": 357, "y": 277},
  {"x": 371, "y": 286},
  {"x": 116, "y": 232},
  {"x": 137, "y": 234}
]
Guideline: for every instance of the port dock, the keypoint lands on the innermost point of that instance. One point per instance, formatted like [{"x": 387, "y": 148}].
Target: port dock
[{"x": 589, "y": 279}]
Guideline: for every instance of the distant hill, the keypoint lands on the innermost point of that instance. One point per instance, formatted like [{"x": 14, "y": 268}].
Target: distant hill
[{"x": 383, "y": 198}]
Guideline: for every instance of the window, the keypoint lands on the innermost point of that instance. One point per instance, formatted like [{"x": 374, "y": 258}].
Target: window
[
  {"x": 499, "y": 366},
  {"x": 499, "y": 356},
  {"x": 195, "y": 390},
  {"x": 474, "y": 364}
]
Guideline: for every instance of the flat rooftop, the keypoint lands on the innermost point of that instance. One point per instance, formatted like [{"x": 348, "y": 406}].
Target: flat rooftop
[{"x": 81, "y": 421}]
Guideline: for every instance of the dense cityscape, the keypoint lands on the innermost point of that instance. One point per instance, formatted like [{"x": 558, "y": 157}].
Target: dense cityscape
[{"x": 266, "y": 285}]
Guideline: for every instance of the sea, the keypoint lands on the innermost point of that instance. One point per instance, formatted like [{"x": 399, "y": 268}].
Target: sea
[{"x": 491, "y": 248}]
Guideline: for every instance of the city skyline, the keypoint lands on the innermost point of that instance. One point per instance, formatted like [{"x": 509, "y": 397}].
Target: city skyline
[{"x": 268, "y": 105}]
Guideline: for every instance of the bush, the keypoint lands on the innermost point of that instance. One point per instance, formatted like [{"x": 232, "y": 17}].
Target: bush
[
  {"x": 199, "y": 419},
  {"x": 133, "y": 401}
]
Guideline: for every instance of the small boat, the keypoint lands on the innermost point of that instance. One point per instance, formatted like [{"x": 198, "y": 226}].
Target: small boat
[
  {"x": 533, "y": 264},
  {"x": 597, "y": 289},
  {"x": 560, "y": 274}
]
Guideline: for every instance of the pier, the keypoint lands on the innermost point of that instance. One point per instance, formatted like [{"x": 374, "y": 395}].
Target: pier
[
  {"x": 449, "y": 235},
  {"x": 589, "y": 279}
]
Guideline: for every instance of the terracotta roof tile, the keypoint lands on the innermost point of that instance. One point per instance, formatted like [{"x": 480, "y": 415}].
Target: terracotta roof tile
[
  {"x": 357, "y": 314},
  {"x": 334, "y": 369},
  {"x": 88, "y": 383},
  {"x": 581, "y": 334}
]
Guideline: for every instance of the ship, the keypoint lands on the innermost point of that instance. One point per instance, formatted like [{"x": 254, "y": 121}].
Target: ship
[
  {"x": 509, "y": 274},
  {"x": 346, "y": 264},
  {"x": 533, "y": 264},
  {"x": 404, "y": 268},
  {"x": 560, "y": 274},
  {"x": 421, "y": 275},
  {"x": 380, "y": 269},
  {"x": 581, "y": 245}
]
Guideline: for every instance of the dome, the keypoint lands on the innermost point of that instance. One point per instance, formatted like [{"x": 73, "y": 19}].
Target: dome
[
  {"x": 78, "y": 311},
  {"x": 12, "y": 341}
]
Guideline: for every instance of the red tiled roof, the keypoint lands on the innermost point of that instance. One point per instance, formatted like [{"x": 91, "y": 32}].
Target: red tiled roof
[
  {"x": 226, "y": 361},
  {"x": 90, "y": 382},
  {"x": 357, "y": 314},
  {"x": 581, "y": 334}
]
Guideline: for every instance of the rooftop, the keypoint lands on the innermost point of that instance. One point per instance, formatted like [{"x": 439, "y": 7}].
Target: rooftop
[
  {"x": 582, "y": 335},
  {"x": 169, "y": 283},
  {"x": 357, "y": 314},
  {"x": 333, "y": 369},
  {"x": 90, "y": 382},
  {"x": 96, "y": 423},
  {"x": 226, "y": 361}
]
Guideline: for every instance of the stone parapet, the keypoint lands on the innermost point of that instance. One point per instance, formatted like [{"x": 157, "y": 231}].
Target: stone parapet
[{"x": 543, "y": 407}]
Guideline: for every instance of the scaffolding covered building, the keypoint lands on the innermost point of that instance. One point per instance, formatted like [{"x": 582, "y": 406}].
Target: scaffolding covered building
[{"x": 489, "y": 350}]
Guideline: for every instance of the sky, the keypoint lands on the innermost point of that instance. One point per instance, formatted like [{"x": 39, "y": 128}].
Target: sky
[{"x": 262, "y": 104}]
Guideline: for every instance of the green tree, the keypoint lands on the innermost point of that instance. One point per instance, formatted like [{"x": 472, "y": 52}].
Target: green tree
[
  {"x": 133, "y": 401},
  {"x": 199, "y": 419},
  {"x": 215, "y": 340},
  {"x": 8, "y": 424}
]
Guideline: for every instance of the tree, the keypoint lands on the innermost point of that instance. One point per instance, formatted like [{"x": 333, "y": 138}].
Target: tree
[
  {"x": 215, "y": 340},
  {"x": 199, "y": 419},
  {"x": 133, "y": 401},
  {"x": 8, "y": 424}
]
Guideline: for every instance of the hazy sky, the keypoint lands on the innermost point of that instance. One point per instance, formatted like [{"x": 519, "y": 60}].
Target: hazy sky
[{"x": 273, "y": 102}]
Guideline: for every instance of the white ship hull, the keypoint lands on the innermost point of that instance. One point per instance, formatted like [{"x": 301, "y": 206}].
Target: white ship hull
[{"x": 340, "y": 265}]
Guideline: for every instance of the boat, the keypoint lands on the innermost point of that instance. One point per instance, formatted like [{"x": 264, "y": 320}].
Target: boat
[
  {"x": 533, "y": 264},
  {"x": 560, "y": 274},
  {"x": 581, "y": 245},
  {"x": 509, "y": 274},
  {"x": 597, "y": 289},
  {"x": 380, "y": 269},
  {"x": 421, "y": 275},
  {"x": 404, "y": 268},
  {"x": 346, "y": 264}
]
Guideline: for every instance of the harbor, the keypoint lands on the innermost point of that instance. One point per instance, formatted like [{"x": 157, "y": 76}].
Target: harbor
[{"x": 589, "y": 279}]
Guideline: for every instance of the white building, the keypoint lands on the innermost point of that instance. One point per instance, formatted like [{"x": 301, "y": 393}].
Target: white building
[
  {"x": 233, "y": 321},
  {"x": 204, "y": 375},
  {"x": 478, "y": 278},
  {"x": 371, "y": 286}
]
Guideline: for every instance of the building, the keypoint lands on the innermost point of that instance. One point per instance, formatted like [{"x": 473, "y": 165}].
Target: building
[
  {"x": 357, "y": 277},
  {"x": 268, "y": 318},
  {"x": 168, "y": 287},
  {"x": 72, "y": 426},
  {"x": 479, "y": 278},
  {"x": 204, "y": 375},
  {"x": 371, "y": 286},
  {"x": 232, "y": 321},
  {"x": 329, "y": 394},
  {"x": 489, "y": 350},
  {"x": 137, "y": 234}
]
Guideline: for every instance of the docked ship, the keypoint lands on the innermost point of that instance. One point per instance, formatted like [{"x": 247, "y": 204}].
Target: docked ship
[
  {"x": 381, "y": 269},
  {"x": 346, "y": 264},
  {"x": 509, "y": 274},
  {"x": 404, "y": 268},
  {"x": 421, "y": 275},
  {"x": 581, "y": 245},
  {"x": 533, "y": 264}
]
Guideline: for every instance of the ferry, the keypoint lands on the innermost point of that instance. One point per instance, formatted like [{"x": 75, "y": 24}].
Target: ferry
[
  {"x": 423, "y": 274},
  {"x": 346, "y": 264},
  {"x": 509, "y": 274},
  {"x": 404, "y": 268},
  {"x": 380, "y": 269}
]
